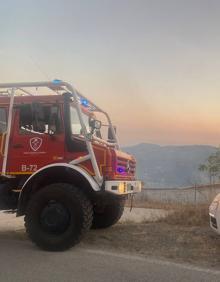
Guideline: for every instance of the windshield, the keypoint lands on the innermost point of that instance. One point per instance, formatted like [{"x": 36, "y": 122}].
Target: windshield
[
  {"x": 75, "y": 122},
  {"x": 76, "y": 128}
]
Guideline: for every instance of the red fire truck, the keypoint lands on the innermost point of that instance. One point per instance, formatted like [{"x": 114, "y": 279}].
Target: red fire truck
[{"x": 57, "y": 168}]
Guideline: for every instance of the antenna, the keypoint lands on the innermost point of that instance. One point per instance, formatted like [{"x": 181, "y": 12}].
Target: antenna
[{"x": 38, "y": 67}]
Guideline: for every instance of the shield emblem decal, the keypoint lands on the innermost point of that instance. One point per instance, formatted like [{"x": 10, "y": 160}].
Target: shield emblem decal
[{"x": 35, "y": 143}]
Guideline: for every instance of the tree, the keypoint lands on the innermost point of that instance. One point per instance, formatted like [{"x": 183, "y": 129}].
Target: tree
[{"x": 212, "y": 166}]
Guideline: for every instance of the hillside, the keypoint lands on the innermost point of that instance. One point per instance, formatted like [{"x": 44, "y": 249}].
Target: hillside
[{"x": 170, "y": 166}]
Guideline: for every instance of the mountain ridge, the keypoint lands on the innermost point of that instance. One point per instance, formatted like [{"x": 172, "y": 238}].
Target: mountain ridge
[{"x": 170, "y": 166}]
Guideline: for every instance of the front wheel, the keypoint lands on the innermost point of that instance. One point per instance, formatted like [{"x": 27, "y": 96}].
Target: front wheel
[
  {"x": 57, "y": 217},
  {"x": 108, "y": 213}
]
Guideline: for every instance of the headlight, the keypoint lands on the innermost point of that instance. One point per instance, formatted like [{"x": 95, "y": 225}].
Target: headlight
[{"x": 122, "y": 188}]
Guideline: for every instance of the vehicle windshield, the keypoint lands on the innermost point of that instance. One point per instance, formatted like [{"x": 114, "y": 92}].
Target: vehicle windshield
[
  {"x": 76, "y": 126},
  {"x": 75, "y": 122}
]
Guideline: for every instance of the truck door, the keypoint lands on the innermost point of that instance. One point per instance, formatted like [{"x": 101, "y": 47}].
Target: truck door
[{"x": 37, "y": 138}]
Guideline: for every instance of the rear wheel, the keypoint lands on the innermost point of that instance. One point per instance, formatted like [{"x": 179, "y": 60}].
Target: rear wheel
[
  {"x": 109, "y": 213},
  {"x": 57, "y": 217}
]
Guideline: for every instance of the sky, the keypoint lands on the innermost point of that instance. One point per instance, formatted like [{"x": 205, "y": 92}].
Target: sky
[{"x": 153, "y": 65}]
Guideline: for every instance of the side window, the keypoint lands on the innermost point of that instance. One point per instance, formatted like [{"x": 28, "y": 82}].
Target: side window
[
  {"x": 41, "y": 119},
  {"x": 75, "y": 122},
  {"x": 3, "y": 120}
]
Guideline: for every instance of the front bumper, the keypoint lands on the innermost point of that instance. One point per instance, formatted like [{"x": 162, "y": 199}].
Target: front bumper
[{"x": 123, "y": 187}]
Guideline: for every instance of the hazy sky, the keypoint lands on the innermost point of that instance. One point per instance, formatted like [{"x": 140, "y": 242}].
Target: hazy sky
[{"x": 153, "y": 65}]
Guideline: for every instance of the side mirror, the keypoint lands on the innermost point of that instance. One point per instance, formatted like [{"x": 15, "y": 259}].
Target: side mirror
[
  {"x": 110, "y": 135},
  {"x": 94, "y": 124}
]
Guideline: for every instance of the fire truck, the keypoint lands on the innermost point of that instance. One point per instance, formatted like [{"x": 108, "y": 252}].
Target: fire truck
[{"x": 61, "y": 165}]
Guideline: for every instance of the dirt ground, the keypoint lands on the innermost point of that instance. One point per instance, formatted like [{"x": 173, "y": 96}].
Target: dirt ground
[{"x": 151, "y": 236}]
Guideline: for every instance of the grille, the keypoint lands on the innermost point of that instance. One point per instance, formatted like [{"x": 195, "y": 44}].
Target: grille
[{"x": 128, "y": 166}]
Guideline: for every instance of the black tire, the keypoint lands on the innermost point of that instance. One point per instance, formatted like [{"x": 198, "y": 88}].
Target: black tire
[
  {"x": 109, "y": 213},
  {"x": 57, "y": 217},
  {"x": 8, "y": 199}
]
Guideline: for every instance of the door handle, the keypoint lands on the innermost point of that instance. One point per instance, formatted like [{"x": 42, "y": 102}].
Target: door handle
[{"x": 17, "y": 146}]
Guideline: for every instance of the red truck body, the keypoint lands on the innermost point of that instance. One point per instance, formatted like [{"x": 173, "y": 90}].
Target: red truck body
[{"x": 56, "y": 167}]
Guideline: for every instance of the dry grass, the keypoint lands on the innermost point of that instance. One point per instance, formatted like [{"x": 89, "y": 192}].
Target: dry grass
[
  {"x": 183, "y": 235},
  {"x": 188, "y": 215},
  {"x": 180, "y": 214},
  {"x": 152, "y": 204},
  {"x": 198, "y": 245}
]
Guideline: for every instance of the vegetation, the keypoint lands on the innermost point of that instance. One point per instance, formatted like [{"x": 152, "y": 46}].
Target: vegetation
[
  {"x": 188, "y": 215},
  {"x": 212, "y": 166},
  {"x": 170, "y": 166}
]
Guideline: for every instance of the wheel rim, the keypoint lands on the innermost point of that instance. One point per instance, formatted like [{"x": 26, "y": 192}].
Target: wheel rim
[{"x": 55, "y": 218}]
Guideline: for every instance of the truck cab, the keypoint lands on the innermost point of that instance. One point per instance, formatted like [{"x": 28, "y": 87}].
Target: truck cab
[{"x": 61, "y": 164}]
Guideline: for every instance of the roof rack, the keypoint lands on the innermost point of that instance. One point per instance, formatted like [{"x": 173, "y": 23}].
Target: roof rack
[{"x": 57, "y": 86}]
